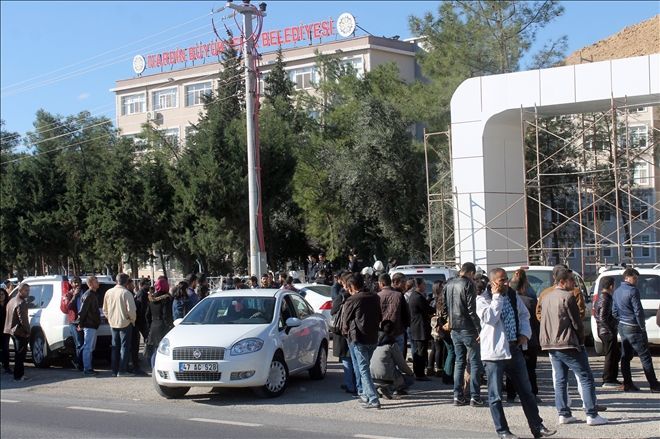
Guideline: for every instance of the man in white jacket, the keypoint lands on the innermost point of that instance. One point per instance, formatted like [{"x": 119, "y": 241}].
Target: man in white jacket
[{"x": 505, "y": 330}]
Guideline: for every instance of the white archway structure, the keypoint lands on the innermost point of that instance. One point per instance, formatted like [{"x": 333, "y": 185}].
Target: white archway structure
[{"x": 487, "y": 146}]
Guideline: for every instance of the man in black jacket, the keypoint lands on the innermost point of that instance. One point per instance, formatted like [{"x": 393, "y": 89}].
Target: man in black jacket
[
  {"x": 89, "y": 320},
  {"x": 607, "y": 329},
  {"x": 141, "y": 325},
  {"x": 361, "y": 318},
  {"x": 420, "y": 327},
  {"x": 460, "y": 311}
]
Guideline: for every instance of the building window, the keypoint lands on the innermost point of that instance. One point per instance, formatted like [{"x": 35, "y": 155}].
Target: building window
[
  {"x": 641, "y": 174},
  {"x": 637, "y": 110},
  {"x": 644, "y": 251},
  {"x": 195, "y": 93},
  {"x": 607, "y": 252},
  {"x": 638, "y": 136},
  {"x": 171, "y": 136},
  {"x": 133, "y": 104},
  {"x": 604, "y": 213},
  {"x": 640, "y": 208},
  {"x": 139, "y": 142},
  {"x": 303, "y": 78},
  {"x": 356, "y": 64},
  {"x": 163, "y": 99}
]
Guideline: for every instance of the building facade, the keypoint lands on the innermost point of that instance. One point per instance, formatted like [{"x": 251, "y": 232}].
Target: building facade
[{"x": 172, "y": 100}]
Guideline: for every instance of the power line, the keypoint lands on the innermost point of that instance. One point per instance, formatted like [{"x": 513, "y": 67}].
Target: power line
[
  {"x": 106, "y": 52},
  {"x": 59, "y": 148}
]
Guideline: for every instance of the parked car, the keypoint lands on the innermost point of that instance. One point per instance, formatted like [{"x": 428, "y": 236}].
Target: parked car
[
  {"x": 430, "y": 273},
  {"x": 50, "y": 337},
  {"x": 319, "y": 296},
  {"x": 648, "y": 285},
  {"x": 242, "y": 338},
  {"x": 540, "y": 278}
]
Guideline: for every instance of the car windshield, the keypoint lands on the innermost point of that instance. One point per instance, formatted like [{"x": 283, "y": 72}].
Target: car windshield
[
  {"x": 647, "y": 284},
  {"x": 429, "y": 279},
  {"x": 228, "y": 310},
  {"x": 539, "y": 280}
]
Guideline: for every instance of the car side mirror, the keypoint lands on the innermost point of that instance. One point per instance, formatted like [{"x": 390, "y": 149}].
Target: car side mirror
[
  {"x": 293, "y": 322},
  {"x": 177, "y": 321}
]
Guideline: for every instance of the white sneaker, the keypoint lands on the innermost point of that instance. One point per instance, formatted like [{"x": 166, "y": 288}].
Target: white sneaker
[
  {"x": 567, "y": 420},
  {"x": 596, "y": 420}
]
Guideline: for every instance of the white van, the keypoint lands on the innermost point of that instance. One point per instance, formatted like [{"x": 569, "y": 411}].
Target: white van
[
  {"x": 648, "y": 285},
  {"x": 430, "y": 273}
]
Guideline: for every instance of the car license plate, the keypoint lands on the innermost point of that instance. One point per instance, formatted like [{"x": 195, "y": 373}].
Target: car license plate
[{"x": 198, "y": 367}]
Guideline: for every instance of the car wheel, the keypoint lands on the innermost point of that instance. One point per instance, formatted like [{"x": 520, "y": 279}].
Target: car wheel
[
  {"x": 169, "y": 392},
  {"x": 39, "y": 349},
  {"x": 598, "y": 347},
  {"x": 278, "y": 378},
  {"x": 317, "y": 372}
]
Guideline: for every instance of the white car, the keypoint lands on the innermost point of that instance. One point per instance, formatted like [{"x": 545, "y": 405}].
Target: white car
[
  {"x": 540, "y": 278},
  {"x": 319, "y": 296},
  {"x": 50, "y": 336},
  {"x": 242, "y": 338},
  {"x": 648, "y": 285}
]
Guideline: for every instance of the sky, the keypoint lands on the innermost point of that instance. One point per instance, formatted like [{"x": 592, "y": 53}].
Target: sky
[{"x": 64, "y": 57}]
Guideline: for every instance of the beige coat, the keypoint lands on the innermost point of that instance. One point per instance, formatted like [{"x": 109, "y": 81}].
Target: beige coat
[{"x": 119, "y": 307}]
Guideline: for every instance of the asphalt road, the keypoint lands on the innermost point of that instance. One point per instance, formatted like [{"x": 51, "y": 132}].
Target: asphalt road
[{"x": 59, "y": 402}]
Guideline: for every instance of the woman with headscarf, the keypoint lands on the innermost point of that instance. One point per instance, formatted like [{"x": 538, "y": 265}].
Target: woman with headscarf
[{"x": 159, "y": 313}]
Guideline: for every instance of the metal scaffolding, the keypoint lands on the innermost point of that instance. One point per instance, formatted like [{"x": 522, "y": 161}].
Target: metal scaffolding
[{"x": 587, "y": 203}]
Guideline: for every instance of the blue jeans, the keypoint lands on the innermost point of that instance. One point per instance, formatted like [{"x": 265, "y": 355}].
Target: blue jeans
[
  {"x": 78, "y": 342},
  {"x": 349, "y": 374},
  {"x": 516, "y": 369},
  {"x": 88, "y": 347},
  {"x": 361, "y": 355},
  {"x": 634, "y": 339},
  {"x": 401, "y": 341},
  {"x": 575, "y": 360},
  {"x": 451, "y": 357},
  {"x": 465, "y": 343},
  {"x": 121, "y": 349}
]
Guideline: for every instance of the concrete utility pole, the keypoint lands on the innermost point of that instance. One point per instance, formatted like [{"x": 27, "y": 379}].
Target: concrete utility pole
[{"x": 257, "y": 251}]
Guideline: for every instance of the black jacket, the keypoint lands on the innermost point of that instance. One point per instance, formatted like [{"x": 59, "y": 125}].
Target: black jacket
[
  {"x": 141, "y": 304},
  {"x": 159, "y": 312},
  {"x": 607, "y": 324},
  {"x": 339, "y": 342},
  {"x": 420, "y": 316},
  {"x": 89, "y": 315},
  {"x": 530, "y": 304},
  {"x": 460, "y": 305},
  {"x": 361, "y": 317}
]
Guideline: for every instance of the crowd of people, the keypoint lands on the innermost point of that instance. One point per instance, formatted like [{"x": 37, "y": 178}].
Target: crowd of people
[
  {"x": 483, "y": 329},
  {"x": 470, "y": 331}
]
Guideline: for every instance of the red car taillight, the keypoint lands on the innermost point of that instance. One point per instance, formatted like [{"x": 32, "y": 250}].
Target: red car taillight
[{"x": 326, "y": 306}]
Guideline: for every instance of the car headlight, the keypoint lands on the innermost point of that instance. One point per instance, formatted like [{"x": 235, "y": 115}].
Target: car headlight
[
  {"x": 164, "y": 347},
  {"x": 247, "y": 346}
]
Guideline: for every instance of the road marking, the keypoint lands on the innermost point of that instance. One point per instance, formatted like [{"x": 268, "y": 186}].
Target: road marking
[
  {"x": 9, "y": 401},
  {"x": 92, "y": 409},
  {"x": 219, "y": 421},
  {"x": 369, "y": 436}
]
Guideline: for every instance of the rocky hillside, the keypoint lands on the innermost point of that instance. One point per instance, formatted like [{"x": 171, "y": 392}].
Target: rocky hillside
[{"x": 636, "y": 40}]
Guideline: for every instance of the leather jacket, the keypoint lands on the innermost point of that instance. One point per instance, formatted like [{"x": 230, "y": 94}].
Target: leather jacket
[
  {"x": 460, "y": 305},
  {"x": 605, "y": 321}
]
